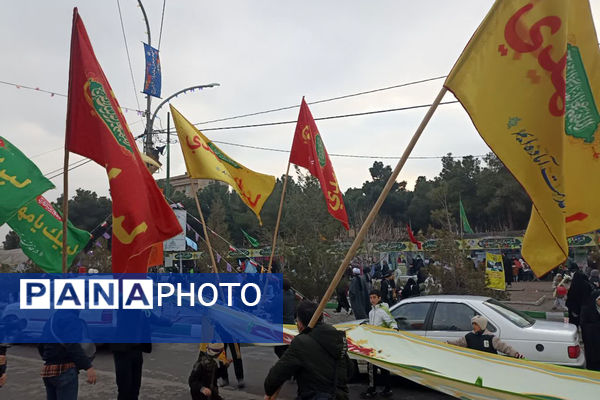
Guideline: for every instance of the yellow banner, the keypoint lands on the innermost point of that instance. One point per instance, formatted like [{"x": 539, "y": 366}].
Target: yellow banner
[
  {"x": 529, "y": 79},
  {"x": 494, "y": 271},
  {"x": 204, "y": 160}
]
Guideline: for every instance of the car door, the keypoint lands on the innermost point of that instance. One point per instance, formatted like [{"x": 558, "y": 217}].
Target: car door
[
  {"x": 412, "y": 316},
  {"x": 450, "y": 321}
]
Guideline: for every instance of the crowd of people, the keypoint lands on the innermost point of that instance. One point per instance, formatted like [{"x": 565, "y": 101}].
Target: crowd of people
[{"x": 317, "y": 357}]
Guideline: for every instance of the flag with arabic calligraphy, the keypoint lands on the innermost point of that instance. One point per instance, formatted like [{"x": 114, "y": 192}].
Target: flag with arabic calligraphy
[
  {"x": 308, "y": 151},
  {"x": 204, "y": 160},
  {"x": 39, "y": 227},
  {"x": 20, "y": 180},
  {"x": 530, "y": 81},
  {"x": 96, "y": 128}
]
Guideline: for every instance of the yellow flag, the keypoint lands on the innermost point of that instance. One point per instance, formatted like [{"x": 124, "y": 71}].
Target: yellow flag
[
  {"x": 529, "y": 79},
  {"x": 204, "y": 160}
]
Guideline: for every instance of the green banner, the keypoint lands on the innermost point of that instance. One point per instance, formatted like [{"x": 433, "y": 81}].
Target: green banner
[
  {"x": 39, "y": 227},
  {"x": 464, "y": 220},
  {"x": 20, "y": 180}
]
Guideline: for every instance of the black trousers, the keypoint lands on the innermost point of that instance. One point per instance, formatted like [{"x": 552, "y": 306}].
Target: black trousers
[
  {"x": 128, "y": 371},
  {"x": 384, "y": 373},
  {"x": 238, "y": 365},
  {"x": 342, "y": 302}
]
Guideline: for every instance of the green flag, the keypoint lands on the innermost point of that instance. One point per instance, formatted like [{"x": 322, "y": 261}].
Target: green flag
[
  {"x": 250, "y": 239},
  {"x": 39, "y": 227},
  {"x": 463, "y": 218},
  {"x": 20, "y": 180}
]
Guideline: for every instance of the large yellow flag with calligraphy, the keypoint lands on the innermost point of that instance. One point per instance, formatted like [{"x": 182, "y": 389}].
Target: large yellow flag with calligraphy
[
  {"x": 530, "y": 81},
  {"x": 204, "y": 160}
]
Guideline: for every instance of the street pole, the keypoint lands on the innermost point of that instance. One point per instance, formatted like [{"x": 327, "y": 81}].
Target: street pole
[
  {"x": 148, "y": 131},
  {"x": 167, "y": 188}
]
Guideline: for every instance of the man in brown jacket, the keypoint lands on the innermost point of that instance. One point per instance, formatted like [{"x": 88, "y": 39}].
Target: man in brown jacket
[{"x": 483, "y": 340}]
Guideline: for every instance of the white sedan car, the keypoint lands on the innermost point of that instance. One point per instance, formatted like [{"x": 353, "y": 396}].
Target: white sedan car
[{"x": 446, "y": 317}]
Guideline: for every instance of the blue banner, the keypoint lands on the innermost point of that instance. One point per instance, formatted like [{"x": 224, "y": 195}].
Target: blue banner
[
  {"x": 140, "y": 308},
  {"x": 152, "y": 80}
]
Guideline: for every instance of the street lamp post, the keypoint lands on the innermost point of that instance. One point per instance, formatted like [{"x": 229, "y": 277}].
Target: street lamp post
[{"x": 148, "y": 131}]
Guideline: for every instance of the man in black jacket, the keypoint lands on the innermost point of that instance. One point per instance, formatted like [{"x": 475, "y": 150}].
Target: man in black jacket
[
  {"x": 128, "y": 357},
  {"x": 590, "y": 331},
  {"x": 289, "y": 309},
  {"x": 317, "y": 358},
  {"x": 63, "y": 356}
]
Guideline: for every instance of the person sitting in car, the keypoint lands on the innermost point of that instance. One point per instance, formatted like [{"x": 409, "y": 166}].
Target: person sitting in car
[{"x": 482, "y": 340}]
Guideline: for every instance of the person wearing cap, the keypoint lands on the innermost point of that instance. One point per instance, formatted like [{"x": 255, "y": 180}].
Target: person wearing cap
[
  {"x": 317, "y": 358},
  {"x": 482, "y": 340},
  {"x": 203, "y": 378},
  {"x": 590, "y": 331},
  {"x": 359, "y": 295}
]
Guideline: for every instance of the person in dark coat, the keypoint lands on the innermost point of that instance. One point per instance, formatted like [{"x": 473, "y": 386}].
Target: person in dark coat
[
  {"x": 128, "y": 357},
  {"x": 63, "y": 356},
  {"x": 508, "y": 273},
  {"x": 359, "y": 295},
  {"x": 388, "y": 289},
  {"x": 410, "y": 289},
  {"x": 578, "y": 295},
  {"x": 590, "y": 331},
  {"x": 317, "y": 358},
  {"x": 289, "y": 311},
  {"x": 341, "y": 292},
  {"x": 203, "y": 379}
]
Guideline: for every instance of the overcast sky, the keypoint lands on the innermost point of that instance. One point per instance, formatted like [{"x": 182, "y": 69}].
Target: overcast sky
[{"x": 265, "y": 55}]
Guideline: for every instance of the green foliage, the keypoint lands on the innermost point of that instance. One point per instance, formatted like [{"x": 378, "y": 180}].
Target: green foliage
[
  {"x": 87, "y": 210},
  {"x": 456, "y": 273}
]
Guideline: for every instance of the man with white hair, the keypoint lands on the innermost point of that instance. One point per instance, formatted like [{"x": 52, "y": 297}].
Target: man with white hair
[{"x": 483, "y": 340}]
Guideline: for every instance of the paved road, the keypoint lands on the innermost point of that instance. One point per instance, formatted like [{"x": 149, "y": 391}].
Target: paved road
[{"x": 165, "y": 375}]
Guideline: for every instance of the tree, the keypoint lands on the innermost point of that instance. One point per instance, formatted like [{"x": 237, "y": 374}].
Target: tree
[
  {"x": 86, "y": 209},
  {"x": 11, "y": 241}
]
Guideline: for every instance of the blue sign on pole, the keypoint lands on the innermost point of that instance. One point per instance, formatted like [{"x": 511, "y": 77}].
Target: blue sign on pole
[{"x": 152, "y": 79}]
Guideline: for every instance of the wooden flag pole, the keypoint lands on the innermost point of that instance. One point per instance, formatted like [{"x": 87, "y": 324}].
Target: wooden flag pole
[
  {"x": 367, "y": 224},
  {"x": 65, "y": 209},
  {"x": 212, "y": 257},
  {"x": 285, "y": 180}
]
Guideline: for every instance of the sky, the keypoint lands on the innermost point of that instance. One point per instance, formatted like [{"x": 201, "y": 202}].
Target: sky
[{"x": 265, "y": 55}]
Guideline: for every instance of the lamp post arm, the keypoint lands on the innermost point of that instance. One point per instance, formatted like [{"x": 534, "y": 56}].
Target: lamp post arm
[{"x": 165, "y": 101}]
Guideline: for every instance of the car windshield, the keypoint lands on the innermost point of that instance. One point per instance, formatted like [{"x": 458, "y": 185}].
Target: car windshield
[{"x": 518, "y": 318}]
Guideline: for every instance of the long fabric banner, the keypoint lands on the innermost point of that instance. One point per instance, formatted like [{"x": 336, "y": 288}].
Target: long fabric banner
[
  {"x": 20, "y": 180},
  {"x": 461, "y": 372}
]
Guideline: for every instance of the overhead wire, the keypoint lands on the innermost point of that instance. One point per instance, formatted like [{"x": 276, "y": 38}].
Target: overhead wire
[
  {"x": 326, "y": 118},
  {"x": 52, "y": 94},
  {"x": 128, "y": 57},
  {"x": 324, "y": 100},
  {"x": 344, "y": 155}
]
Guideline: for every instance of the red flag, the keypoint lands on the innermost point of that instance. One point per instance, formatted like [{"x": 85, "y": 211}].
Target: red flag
[
  {"x": 412, "y": 238},
  {"x": 308, "y": 151},
  {"x": 97, "y": 129}
]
